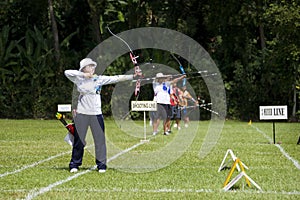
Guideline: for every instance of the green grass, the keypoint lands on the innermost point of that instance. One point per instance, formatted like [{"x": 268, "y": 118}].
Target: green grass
[{"x": 24, "y": 142}]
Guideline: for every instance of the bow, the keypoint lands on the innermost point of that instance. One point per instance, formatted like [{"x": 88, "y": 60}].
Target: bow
[
  {"x": 133, "y": 58},
  {"x": 181, "y": 69}
]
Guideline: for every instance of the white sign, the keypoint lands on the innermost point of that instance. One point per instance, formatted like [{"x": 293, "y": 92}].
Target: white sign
[
  {"x": 143, "y": 105},
  {"x": 64, "y": 108},
  {"x": 273, "y": 112}
]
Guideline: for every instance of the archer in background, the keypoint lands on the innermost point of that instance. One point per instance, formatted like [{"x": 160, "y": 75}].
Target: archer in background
[
  {"x": 162, "y": 87},
  {"x": 88, "y": 111},
  {"x": 186, "y": 96},
  {"x": 176, "y": 103}
]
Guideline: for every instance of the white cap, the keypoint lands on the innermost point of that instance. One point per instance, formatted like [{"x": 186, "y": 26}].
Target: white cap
[
  {"x": 161, "y": 75},
  {"x": 86, "y": 61}
]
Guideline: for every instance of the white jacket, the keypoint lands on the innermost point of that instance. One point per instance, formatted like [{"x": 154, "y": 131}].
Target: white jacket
[
  {"x": 162, "y": 92},
  {"x": 89, "y": 100}
]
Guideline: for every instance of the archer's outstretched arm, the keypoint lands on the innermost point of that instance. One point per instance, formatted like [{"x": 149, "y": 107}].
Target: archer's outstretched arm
[
  {"x": 106, "y": 80},
  {"x": 178, "y": 79}
]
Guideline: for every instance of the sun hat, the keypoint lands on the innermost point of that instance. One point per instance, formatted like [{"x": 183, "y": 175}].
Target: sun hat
[
  {"x": 161, "y": 75},
  {"x": 86, "y": 61}
]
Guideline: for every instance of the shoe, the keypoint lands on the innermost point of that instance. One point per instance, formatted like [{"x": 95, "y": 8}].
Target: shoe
[
  {"x": 154, "y": 133},
  {"x": 186, "y": 125},
  {"x": 169, "y": 131},
  {"x": 74, "y": 170},
  {"x": 166, "y": 133},
  {"x": 175, "y": 126},
  {"x": 102, "y": 170},
  {"x": 178, "y": 128}
]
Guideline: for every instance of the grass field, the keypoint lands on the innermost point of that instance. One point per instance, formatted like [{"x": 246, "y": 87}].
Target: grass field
[{"x": 34, "y": 164}]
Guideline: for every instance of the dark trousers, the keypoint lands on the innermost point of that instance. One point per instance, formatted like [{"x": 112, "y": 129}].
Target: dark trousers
[{"x": 96, "y": 123}]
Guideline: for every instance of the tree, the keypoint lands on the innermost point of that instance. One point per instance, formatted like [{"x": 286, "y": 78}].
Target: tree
[
  {"x": 54, "y": 31},
  {"x": 254, "y": 43},
  {"x": 283, "y": 18},
  {"x": 249, "y": 46}
]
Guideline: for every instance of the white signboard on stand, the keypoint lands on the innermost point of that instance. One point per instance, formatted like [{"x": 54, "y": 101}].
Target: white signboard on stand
[
  {"x": 273, "y": 112},
  {"x": 64, "y": 107},
  {"x": 144, "y": 106}
]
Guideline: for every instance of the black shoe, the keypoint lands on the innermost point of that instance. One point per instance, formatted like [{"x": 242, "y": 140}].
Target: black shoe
[{"x": 102, "y": 166}]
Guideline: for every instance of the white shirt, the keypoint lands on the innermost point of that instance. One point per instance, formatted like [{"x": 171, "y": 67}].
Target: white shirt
[
  {"x": 89, "y": 100},
  {"x": 162, "y": 92}
]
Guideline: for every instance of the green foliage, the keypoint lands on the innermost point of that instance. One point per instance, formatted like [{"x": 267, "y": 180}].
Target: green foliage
[
  {"x": 29, "y": 82},
  {"x": 259, "y": 66},
  {"x": 255, "y": 44},
  {"x": 7, "y": 54}
]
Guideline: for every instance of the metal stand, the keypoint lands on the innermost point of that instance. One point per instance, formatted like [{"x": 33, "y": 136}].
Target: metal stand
[
  {"x": 145, "y": 129},
  {"x": 274, "y": 132}
]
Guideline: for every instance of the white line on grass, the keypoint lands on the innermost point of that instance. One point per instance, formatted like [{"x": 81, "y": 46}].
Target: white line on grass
[
  {"x": 34, "y": 193},
  {"x": 169, "y": 190},
  {"x": 165, "y": 190},
  {"x": 34, "y": 164},
  {"x": 295, "y": 162}
]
